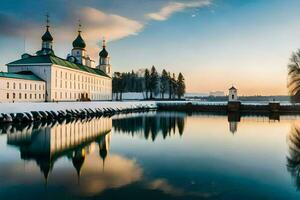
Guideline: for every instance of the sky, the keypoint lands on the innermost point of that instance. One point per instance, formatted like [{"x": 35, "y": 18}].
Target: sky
[{"x": 214, "y": 43}]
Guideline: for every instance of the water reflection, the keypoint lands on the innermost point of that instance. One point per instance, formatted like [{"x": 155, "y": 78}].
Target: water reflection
[
  {"x": 97, "y": 158},
  {"x": 45, "y": 143},
  {"x": 166, "y": 124},
  {"x": 233, "y": 120},
  {"x": 293, "y": 159}
]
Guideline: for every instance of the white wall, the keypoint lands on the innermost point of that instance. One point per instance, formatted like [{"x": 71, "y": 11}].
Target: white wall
[
  {"x": 20, "y": 90},
  {"x": 62, "y": 88},
  {"x": 232, "y": 96},
  {"x": 42, "y": 71},
  {"x": 68, "y": 84}
]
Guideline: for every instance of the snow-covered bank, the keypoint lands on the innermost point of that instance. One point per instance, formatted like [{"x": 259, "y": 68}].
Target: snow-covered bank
[{"x": 8, "y": 108}]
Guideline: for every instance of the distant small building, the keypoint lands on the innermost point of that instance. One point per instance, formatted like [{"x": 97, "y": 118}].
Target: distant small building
[
  {"x": 217, "y": 93},
  {"x": 232, "y": 95}
]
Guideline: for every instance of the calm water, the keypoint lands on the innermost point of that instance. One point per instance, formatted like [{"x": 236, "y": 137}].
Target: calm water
[{"x": 152, "y": 156}]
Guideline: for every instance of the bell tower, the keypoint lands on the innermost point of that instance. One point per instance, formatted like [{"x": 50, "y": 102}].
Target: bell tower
[
  {"x": 79, "y": 45},
  {"x": 104, "y": 60},
  {"x": 47, "y": 41}
]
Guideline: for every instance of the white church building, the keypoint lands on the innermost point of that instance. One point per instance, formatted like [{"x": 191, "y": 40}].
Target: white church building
[{"x": 47, "y": 77}]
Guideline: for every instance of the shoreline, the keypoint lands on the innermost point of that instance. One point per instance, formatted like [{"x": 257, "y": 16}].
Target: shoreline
[{"x": 31, "y": 112}]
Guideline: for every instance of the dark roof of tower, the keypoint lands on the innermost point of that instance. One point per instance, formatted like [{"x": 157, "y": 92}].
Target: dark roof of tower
[
  {"x": 103, "y": 53},
  {"x": 47, "y": 36},
  {"x": 79, "y": 42}
]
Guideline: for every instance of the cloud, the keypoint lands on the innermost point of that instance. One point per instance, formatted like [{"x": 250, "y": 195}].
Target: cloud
[
  {"x": 96, "y": 25},
  {"x": 99, "y": 24},
  {"x": 11, "y": 26},
  {"x": 165, "y": 12}
]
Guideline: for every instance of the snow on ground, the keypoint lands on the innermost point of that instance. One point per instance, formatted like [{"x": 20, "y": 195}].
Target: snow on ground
[{"x": 52, "y": 106}]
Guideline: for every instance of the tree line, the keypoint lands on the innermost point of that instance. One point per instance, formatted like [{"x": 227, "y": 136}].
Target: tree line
[{"x": 150, "y": 82}]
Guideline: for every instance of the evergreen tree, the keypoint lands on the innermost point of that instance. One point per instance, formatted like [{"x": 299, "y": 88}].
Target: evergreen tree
[
  {"x": 115, "y": 84},
  {"x": 180, "y": 87},
  {"x": 122, "y": 85},
  {"x": 170, "y": 83},
  {"x": 163, "y": 83},
  {"x": 173, "y": 86},
  {"x": 147, "y": 82},
  {"x": 153, "y": 81}
]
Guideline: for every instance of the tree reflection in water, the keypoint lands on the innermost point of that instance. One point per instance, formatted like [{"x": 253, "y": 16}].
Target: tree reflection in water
[
  {"x": 151, "y": 125},
  {"x": 293, "y": 160}
]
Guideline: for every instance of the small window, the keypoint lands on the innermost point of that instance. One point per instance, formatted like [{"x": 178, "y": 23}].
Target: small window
[
  {"x": 20, "y": 86},
  {"x": 7, "y": 85},
  {"x": 40, "y": 96},
  {"x": 35, "y": 96},
  {"x": 14, "y": 85},
  {"x": 25, "y": 86},
  {"x": 7, "y": 95},
  {"x": 14, "y": 95},
  {"x": 30, "y": 96},
  {"x": 25, "y": 96},
  {"x": 20, "y": 96}
]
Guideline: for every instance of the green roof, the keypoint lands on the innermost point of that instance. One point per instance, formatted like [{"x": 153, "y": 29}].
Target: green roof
[
  {"x": 26, "y": 76},
  {"x": 52, "y": 59}
]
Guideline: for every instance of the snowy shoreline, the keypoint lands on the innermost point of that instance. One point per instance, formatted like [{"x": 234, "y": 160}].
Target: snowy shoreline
[{"x": 10, "y": 108}]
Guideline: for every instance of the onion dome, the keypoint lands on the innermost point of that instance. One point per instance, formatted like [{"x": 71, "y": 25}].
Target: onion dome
[
  {"x": 47, "y": 37},
  {"x": 103, "y": 53},
  {"x": 79, "y": 42}
]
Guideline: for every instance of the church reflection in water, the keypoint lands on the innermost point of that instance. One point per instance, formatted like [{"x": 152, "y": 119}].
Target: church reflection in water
[
  {"x": 151, "y": 125},
  {"x": 85, "y": 142},
  {"x": 293, "y": 159},
  {"x": 46, "y": 143}
]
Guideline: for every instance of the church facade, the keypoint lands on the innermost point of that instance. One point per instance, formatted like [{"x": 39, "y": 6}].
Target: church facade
[{"x": 75, "y": 78}]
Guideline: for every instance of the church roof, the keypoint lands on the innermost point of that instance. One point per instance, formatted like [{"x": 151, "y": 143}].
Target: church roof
[
  {"x": 47, "y": 36},
  {"x": 103, "y": 53},
  {"x": 52, "y": 59},
  {"x": 79, "y": 42},
  {"x": 21, "y": 75},
  {"x": 232, "y": 88}
]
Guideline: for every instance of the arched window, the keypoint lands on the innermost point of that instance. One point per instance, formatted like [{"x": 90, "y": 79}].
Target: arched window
[
  {"x": 7, "y": 95},
  {"x": 20, "y": 96},
  {"x": 14, "y": 95},
  {"x": 7, "y": 85}
]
